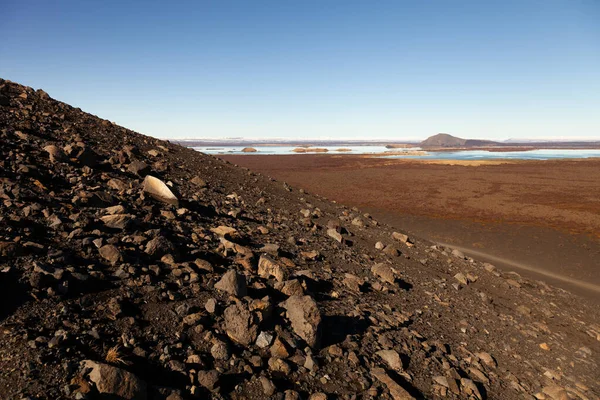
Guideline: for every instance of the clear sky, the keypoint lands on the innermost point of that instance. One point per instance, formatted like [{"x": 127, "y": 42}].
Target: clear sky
[{"x": 315, "y": 69}]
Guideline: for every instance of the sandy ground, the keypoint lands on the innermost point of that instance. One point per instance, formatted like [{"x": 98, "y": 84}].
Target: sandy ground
[{"x": 540, "y": 218}]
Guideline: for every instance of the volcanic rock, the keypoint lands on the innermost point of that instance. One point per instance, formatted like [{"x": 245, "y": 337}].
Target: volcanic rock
[
  {"x": 117, "y": 221},
  {"x": 392, "y": 358},
  {"x": 55, "y": 153},
  {"x": 158, "y": 247},
  {"x": 111, "y": 254},
  {"x": 209, "y": 379},
  {"x": 240, "y": 325},
  {"x": 384, "y": 272},
  {"x": 267, "y": 268},
  {"x": 112, "y": 381},
  {"x": 305, "y": 317},
  {"x": 232, "y": 283},
  {"x": 396, "y": 391},
  {"x": 157, "y": 189}
]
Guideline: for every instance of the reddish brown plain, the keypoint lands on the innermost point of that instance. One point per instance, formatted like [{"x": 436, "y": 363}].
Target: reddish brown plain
[{"x": 541, "y": 218}]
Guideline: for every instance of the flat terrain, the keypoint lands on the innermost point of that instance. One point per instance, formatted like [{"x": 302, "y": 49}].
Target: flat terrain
[{"x": 531, "y": 216}]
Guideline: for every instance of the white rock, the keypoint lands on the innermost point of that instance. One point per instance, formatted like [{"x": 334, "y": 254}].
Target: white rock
[{"x": 157, "y": 189}]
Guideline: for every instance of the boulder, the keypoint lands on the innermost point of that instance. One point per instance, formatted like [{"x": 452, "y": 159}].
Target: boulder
[
  {"x": 55, "y": 153},
  {"x": 334, "y": 234},
  {"x": 267, "y": 268},
  {"x": 305, "y": 317},
  {"x": 209, "y": 379},
  {"x": 225, "y": 231},
  {"x": 158, "y": 247},
  {"x": 138, "y": 167},
  {"x": 396, "y": 391},
  {"x": 401, "y": 237},
  {"x": 159, "y": 190},
  {"x": 384, "y": 272},
  {"x": 110, "y": 253},
  {"x": 232, "y": 283},
  {"x": 392, "y": 358},
  {"x": 240, "y": 325},
  {"x": 113, "y": 381},
  {"x": 198, "y": 182},
  {"x": 116, "y": 221}
]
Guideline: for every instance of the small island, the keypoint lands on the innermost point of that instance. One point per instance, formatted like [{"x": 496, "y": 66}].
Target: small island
[{"x": 310, "y": 150}]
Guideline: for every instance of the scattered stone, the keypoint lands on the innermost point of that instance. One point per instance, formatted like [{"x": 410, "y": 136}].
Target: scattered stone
[
  {"x": 225, "y": 231},
  {"x": 117, "y": 221},
  {"x": 157, "y": 189},
  {"x": 487, "y": 359},
  {"x": 239, "y": 324},
  {"x": 268, "y": 268},
  {"x": 461, "y": 278},
  {"x": 209, "y": 379},
  {"x": 267, "y": 385},
  {"x": 353, "y": 282},
  {"x": 264, "y": 340},
  {"x": 110, "y": 253},
  {"x": 211, "y": 305},
  {"x": 232, "y": 283},
  {"x": 489, "y": 267},
  {"x": 384, "y": 272},
  {"x": 305, "y": 317},
  {"x": 402, "y": 238},
  {"x": 55, "y": 153},
  {"x": 220, "y": 350},
  {"x": 396, "y": 391},
  {"x": 158, "y": 247},
  {"x": 392, "y": 358},
  {"x": 198, "y": 182},
  {"x": 291, "y": 287},
  {"x": 334, "y": 234},
  {"x": 112, "y": 381},
  {"x": 139, "y": 168}
]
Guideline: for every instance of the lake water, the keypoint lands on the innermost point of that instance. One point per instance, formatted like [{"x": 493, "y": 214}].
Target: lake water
[
  {"x": 288, "y": 149},
  {"x": 437, "y": 155},
  {"x": 548, "y": 154}
]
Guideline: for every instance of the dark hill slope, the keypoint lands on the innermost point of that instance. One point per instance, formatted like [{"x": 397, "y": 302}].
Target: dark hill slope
[
  {"x": 443, "y": 140},
  {"x": 246, "y": 288}
]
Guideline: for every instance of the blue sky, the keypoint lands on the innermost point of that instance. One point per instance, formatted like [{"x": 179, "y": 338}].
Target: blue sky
[{"x": 316, "y": 69}]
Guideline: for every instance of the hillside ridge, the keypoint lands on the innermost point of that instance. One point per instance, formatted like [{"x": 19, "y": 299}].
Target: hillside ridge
[{"x": 134, "y": 268}]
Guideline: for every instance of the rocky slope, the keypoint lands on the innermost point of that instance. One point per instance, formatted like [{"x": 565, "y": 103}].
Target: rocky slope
[{"x": 133, "y": 268}]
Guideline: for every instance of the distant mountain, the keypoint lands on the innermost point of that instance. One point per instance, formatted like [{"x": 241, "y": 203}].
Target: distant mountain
[{"x": 445, "y": 140}]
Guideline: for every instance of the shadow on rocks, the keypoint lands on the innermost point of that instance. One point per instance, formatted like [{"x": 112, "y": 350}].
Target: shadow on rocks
[
  {"x": 335, "y": 328},
  {"x": 12, "y": 293},
  {"x": 403, "y": 284},
  {"x": 228, "y": 382},
  {"x": 413, "y": 391},
  {"x": 157, "y": 375},
  {"x": 319, "y": 288}
]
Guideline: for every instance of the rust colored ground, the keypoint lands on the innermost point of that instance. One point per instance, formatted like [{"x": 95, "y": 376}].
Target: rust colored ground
[{"x": 542, "y": 214}]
